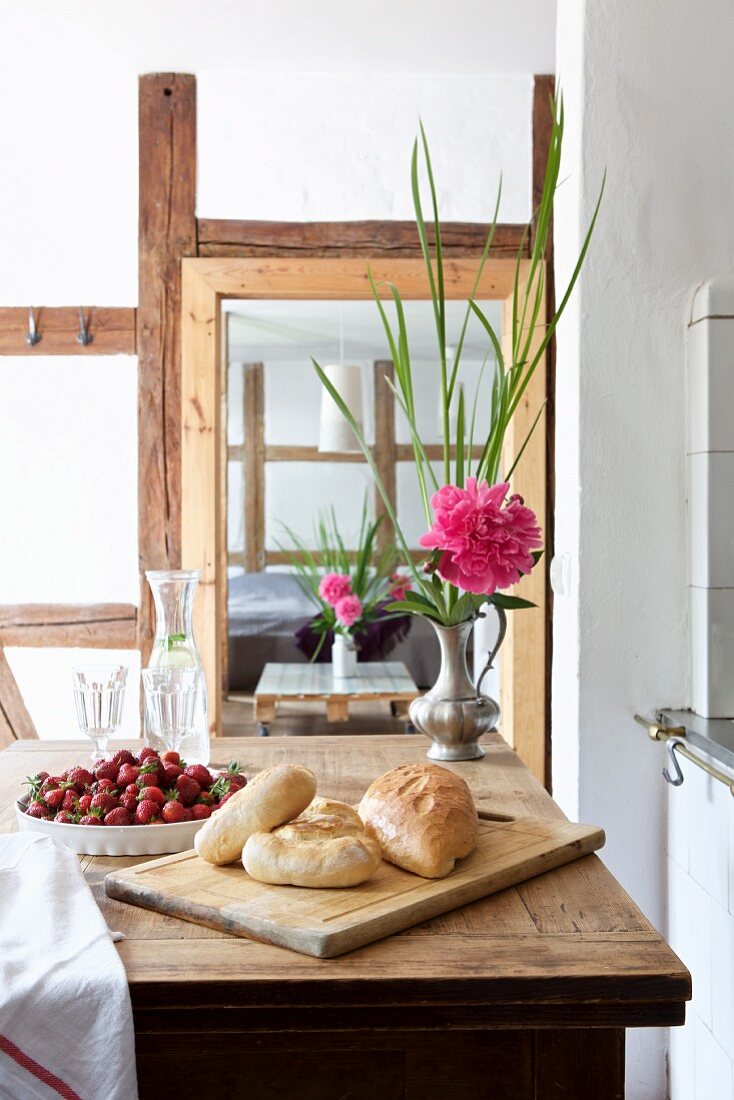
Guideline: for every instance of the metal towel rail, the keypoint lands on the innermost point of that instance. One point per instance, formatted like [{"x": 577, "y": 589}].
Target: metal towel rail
[{"x": 679, "y": 739}]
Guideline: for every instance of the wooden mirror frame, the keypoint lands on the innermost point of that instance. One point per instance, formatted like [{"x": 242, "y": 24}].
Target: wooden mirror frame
[{"x": 205, "y": 283}]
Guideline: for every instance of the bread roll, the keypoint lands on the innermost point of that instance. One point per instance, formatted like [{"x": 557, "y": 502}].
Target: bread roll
[
  {"x": 329, "y": 806},
  {"x": 314, "y": 850},
  {"x": 423, "y": 818},
  {"x": 273, "y": 796}
]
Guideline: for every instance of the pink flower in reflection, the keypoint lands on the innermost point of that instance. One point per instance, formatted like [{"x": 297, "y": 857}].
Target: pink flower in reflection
[
  {"x": 348, "y": 610},
  {"x": 334, "y": 586}
]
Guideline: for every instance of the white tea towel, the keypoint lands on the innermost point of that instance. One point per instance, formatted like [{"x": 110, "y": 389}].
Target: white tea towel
[{"x": 66, "y": 1026}]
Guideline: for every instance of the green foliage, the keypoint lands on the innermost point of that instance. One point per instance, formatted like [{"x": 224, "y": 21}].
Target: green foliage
[{"x": 526, "y": 343}]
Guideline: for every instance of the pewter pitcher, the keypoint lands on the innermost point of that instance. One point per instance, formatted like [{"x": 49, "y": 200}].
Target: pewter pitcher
[{"x": 453, "y": 713}]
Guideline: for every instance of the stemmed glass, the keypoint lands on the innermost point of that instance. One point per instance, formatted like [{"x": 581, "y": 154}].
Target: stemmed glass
[
  {"x": 99, "y": 694},
  {"x": 170, "y": 703}
]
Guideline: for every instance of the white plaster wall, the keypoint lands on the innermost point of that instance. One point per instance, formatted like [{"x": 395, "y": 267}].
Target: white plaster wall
[
  {"x": 648, "y": 91},
  {"x": 306, "y": 110}
]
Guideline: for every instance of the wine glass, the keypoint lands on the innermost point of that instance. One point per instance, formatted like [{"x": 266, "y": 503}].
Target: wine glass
[
  {"x": 99, "y": 694},
  {"x": 170, "y": 703}
]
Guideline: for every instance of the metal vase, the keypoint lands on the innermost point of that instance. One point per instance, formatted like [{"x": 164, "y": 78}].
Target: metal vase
[{"x": 452, "y": 713}]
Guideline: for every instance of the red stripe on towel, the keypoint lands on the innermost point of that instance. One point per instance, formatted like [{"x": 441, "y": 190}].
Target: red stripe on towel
[{"x": 37, "y": 1070}]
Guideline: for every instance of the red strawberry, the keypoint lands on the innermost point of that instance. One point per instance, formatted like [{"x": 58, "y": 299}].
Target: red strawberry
[
  {"x": 233, "y": 774},
  {"x": 106, "y": 770},
  {"x": 118, "y": 816},
  {"x": 171, "y": 757},
  {"x": 38, "y": 809},
  {"x": 207, "y": 797},
  {"x": 84, "y": 803},
  {"x": 129, "y": 802},
  {"x": 155, "y": 794},
  {"x": 146, "y": 753},
  {"x": 201, "y": 774},
  {"x": 188, "y": 789},
  {"x": 54, "y": 798},
  {"x": 64, "y": 818},
  {"x": 148, "y": 774},
  {"x": 80, "y": 777},
  {"x": 51, "y": 782},
  {"x": 131, "y": 790},
  {"x": 199, "y": 811},
  {"x": 173, "y": 812},
  {"x": 41, "y": 776},
  {"x": 71, "y": 802},
  {"x": 104, "y": 785},
  {"x": 171, "y": 773},
  {"x": 90, "y": 819},
  {"x": 146, "y": 812},
  {"x": 123, "y": 756},
  {"x": 104, "y": 802},
  {"x": 127, "y": 774}
]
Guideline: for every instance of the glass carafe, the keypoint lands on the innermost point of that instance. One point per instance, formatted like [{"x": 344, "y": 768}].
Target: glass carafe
[{"x": 174, "y": 647}]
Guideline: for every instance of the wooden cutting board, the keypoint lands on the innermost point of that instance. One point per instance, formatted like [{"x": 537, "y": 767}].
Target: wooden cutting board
[{"x": 326, "y": 923}]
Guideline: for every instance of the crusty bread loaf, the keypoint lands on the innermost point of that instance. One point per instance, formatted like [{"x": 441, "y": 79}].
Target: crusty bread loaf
[
  {"x": 314, "y": 850},
  {"x": 423, "y": 818},
  {"x": 271, "y": 797}
]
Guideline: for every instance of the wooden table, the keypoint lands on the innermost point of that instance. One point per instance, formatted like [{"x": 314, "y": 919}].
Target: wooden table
[
  {"x": 387, "y": 681},
  {"x": 522, "y": 995}
]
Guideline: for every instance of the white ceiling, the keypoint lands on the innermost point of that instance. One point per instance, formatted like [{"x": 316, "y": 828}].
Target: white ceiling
[{"x": 282, "y": 331}]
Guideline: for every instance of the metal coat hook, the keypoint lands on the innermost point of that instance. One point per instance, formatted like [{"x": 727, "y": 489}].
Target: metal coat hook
[
  {"x": 85, "y": 337},
  {"x": 34, "y": 335},
  {"x": 675, "y": 779}
]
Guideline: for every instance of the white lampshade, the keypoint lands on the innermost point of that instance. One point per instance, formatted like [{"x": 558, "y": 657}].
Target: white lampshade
[{"x": 335, "y": 434}]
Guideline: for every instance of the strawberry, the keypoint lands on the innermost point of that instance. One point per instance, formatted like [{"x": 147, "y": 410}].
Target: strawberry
[
  {"x": 171, "y": 757},
  {"x": 188, "y": 789},
  {"x": 64, "y": 818},
  {"x": 104, "y": 802},
  {"x": 90, "y": 819},
  {"x": 146, "y": 812},
  {"x": 38, "y": 809},
  {"x": 199, "y": 811},
  {"x": 70, "y": 803},
  {"x": 129, "y": 802},
  {"x": 146, "y": 753},
  {"x": 201, "y": 774},
  {"x": 155, "y": 794},
  {"x": 80, "y": 777},
  {"x": 173, "y": 812},
  {"x": 148, "y": 774},
  {"x": 54, "y": 798},
  {"x": 233, "y": 774},
  {"x": 131, "y": 790},
  {"x": 171, "y": 773},
  {"x": 51, "y": 782},
  {"x": 118, "y": 816},
  {"x": 105, "y": 785},
  {"x": 206, "y": 798},
  {"x": 127, "y": 774},
  {"x": 123, "y": 756},
  {"x": 106, "y": 770}
]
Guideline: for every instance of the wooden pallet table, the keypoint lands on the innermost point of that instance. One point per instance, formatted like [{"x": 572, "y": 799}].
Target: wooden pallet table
[{"x": 386, "y": 681}]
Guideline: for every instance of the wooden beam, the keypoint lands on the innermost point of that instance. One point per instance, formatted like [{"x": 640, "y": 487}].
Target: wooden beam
[
  {"x": 223, "y": 591},
  {"x": 286, "y": 453},
  {"x": 385, "y": 452},
  {"x": 543, "y": 90},
  {"x": 15, "y": 722},
  {"x": 112, "y": 330},
  {"x": 366, "y": 238},
  {"x": 93, "y": 626},
  {"x": 254, "y": 472},
  {"x": 167, "y": 232}
]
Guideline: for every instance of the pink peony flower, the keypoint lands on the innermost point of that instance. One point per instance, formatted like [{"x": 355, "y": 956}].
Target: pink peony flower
[
  {"x": 399, "y": 586},
  {"x": 334, "y": 586},
  {"x": 348, "y": 610},
  {"x": 485, "y": 546}
]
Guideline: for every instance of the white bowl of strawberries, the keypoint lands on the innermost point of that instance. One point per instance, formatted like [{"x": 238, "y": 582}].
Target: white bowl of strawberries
[{"x": 132, "y": 805}]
